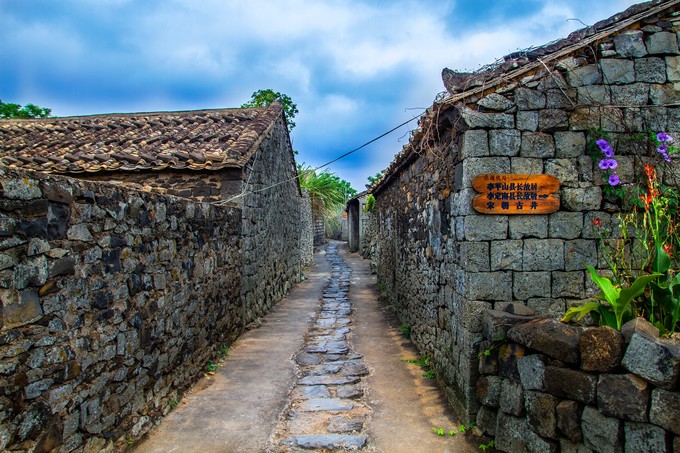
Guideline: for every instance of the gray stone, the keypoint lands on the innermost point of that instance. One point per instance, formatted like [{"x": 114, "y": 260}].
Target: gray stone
[
  {"x": 488, "y": 390},
  {"x": 504, "y": 142},
  {"x": 486, "y": 420},
  {"x": 511, "y": 398},
  {"x": 537, "y": 144},
  {"x": 584, "y": 75},
  {"x": 519, "y": 309},
  {"x": 527, "y": 99},
  {"x": 535, "y": 226},
  {"x": 662, "y": 43},
  {"x": 485, "y": 228},
  {"x": 478, "y": 120},
  {"x": 489, "y": 286},
  {"x": 641, "y": 326},
  {"x": 617, "y": 71},
  {"x": 665, "y": 410},
  {"x": 568, "y": 284},
  {"x": 594, "y": 95},
  {"x": 527, "y": 120},
  {"x": 329, "y": 380},
  {"x": 311, "y": 392},
  {"x": 79, "y": 232},
  {"x": 508, "y": 355},
  {"x": 349, "y": 391},
  {"x": 497, "y": 323},
  {"x": 655, "y": 360},
  {"x": 650, "y": 70},
  {"x": 506, "y": 255},
  {"x": 474, "y": 143},
  {"x": 327, "y": 441},
  {"x": 476, "y": 256},
  {"x": 630, "y": 44},
  {"x": 526, "y": 165},
  {"x": 543, "y": 254},
  {"x": 623, "y": 396},
  {"x": 601, "y": 349},
  {"x": 530, "y": 284},
  {"x": 343, "y": 425},
  {"x": 602, "y": 434},
  {"x": 550, "y": 337},
  {"x": 475, "y": 166},
  {"x": 564, "y": 98},
  {"x": 569, "y": 447},
  {"x": 37, "y": 246},
  {"x": 20, "y": 308},
  {"x": 550, "y": 120},
  {"x": 578, "y": 252},
  {"x": 664, "y": 94},
  {"x": 581, "y": 199},
  {"x": 570, "y": 384},
  {"x": 20, "y": 189},
  {"x": 541, "y": 414},
  {"x": 565, "y": 225},
  {"x": 569, "y": 144},
  {"x": 514, "y": 435},
  {"x": 630, "y": 95},
  {"x": 495, "y": 101},
  {"x": 531, "y": 370},
  {"x": 644, "y": 438},
  {"x": 569, "y": 420},
  {"x": 326, "y": 404},
  {"x": 673, "y": 69}
]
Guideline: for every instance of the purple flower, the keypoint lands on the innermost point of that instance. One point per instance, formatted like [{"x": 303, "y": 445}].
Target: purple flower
[
  {"x": 614, "y": 180},
  {"x": 608, "y": 152},
  {"x": 607, "y": 164},
  {"x": 666, "y": 157},
  {"x": 663, "y": 149},
  {"x": 602, "y": 143},
  {"x": 664, "y": 137}
]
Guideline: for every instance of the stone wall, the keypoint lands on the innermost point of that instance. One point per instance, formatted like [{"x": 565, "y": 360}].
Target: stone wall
[
  {"x": 547, "y": 386},
  {"x": 272, "y": 220},
  {"x": 443, "y": 265},
  {"x": 306, "y": 232},
  {"x": 112, "y": 300}
]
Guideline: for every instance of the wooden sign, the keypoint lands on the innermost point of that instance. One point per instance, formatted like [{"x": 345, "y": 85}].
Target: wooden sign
[{"x": 516, "y": 194}]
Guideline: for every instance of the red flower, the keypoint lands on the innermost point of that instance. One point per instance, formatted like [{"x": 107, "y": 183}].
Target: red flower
[
  {"x": 667, "y": 248},
  {"x": 597, "y": 222}
]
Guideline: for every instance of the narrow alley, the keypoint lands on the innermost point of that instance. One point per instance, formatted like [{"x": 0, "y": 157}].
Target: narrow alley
[{"x": 326, "y": 370}]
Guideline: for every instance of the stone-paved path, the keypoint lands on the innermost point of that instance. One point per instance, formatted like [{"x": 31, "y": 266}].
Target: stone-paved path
[
  {"x": 327, "y": 408},
  {"x": 324, "y": 370}
]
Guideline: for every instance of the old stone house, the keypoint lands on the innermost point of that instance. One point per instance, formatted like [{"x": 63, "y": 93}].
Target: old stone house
[
  {"x": 444, "y": 265},
  {"x": 133, "y": 247},
  {"x": 357, "y": 220}
]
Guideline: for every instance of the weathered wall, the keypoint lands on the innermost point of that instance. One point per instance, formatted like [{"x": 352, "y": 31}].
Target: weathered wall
[
  {"x": 547, "y": 386},
  {"x": 306, "y": 232},
  {"x": 443, "y": 264},
  {"x": 271, "y": 224},
  {"x": 112, "y": 302}
]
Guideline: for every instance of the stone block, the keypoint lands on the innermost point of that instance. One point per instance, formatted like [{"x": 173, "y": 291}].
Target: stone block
[
  {"x": 527, "y": 120},
  {"x": 535, "y": 226},
  {"x": 513, "y": 434},
  {"x": 673, "y": 68},
  {"x": 650, "y": 70},
  {"x": 475, "y": 166},
  {"x": 506, "y": 255},
  {"x": 550, "y": 120},
  {"x": 511, "y": 398},
  {"x": 543, "y": 254},
  {"x": 474, "y": 143},
  {"x": 508, "y": 355},
  {"x": 623, "y": 396},
  {"x": 526, "y": 285},
  {"x": 594, "y": 95},
  {"x": 602, "y": 434},
  {"x": 570, "y": 384},
  {"x": 601, "y": 349},
  {"x": 526, "y": 165},
  {"x": 565, "y": 225},
  {"x": 630, "y": 44},
  {"x": 488, "y": 390},
  {"x": 475, "y": 255},
  {"x": 630, "y": 95},
  {"x": 585, "y": 118},
  {"x": 497, "y": 323},
  {"x": 472, "y": 312},
  {"x": 488, "y": 357},
  {"x": 486, "y": 228},
  {"x": 486, "y": 420},
  {"x": 541, "y": 414},
  {"x": 564, "y": 98},
  {"x": 569, "y": 447},
  {"x": 565, "y": 170},
  {"x": 662, "y": 43},
  {"x": 581, "y": 199},
  {"x": 617, "y": 71},
  {"x": 495, "y": 101},
  {"x": 537, "y": 144},
  {"x": 569, "y": 420},
  {"x": 475, "y": 119},
  {"x": 546, "y": 306},
  {"x": 665, "y": 410},
  {"x": 584, "y": 75},
  {"x": 579, "y": 252},
  {"x": 531, "y": 369},
  {"x": 549, "y": 336},
  {"x": 569, "y": 144},
  {"x": 504, "y": 142},
  {"x": 641, "y": 326},
  {"x": 568, "y": 284},
  {"x": 655, "y": 360},
  {"x": 664, "y": 94},
  {"x": 644, "y": 438},
  {"x": 528, "y": 99},
  {"x": 20, "y": 307}
]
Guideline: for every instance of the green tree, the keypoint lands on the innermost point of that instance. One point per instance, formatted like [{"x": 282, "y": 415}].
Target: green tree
[
  {"x": 262, "y": 98},
  {"x": 373, "y": 179},
  {"x": 328, "y": 192},
  {"x": 8, "y": 110}
]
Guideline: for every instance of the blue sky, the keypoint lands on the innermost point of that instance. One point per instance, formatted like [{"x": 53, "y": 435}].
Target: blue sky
[{"x": 355, "y": 68}]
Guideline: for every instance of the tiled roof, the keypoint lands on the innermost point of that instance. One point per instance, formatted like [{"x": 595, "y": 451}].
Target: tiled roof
[{"x": 194, "y": 140}]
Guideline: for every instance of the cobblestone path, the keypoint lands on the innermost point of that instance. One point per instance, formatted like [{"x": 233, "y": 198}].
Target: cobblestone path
[{"x": 327, "y": 408}]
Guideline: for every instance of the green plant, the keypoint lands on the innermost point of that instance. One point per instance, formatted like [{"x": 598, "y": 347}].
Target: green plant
[
  {"x": 430, "y": 374},
  {"x": 452, "y": 432},
  {"x": 489, "y": 444},
  {"x": 9, "y": 110},
  {"x": 439, "y": 431},
  {"x": 211, "y": 367},
  {"x": 263, "y": 98},
  {"x": 422, "y": 361},
  {"x": 370, "y": 203},
  {"x": 173, "y": 403},
  {"x": 405, "y": 330},
  {"x": 223, "y": 351}
]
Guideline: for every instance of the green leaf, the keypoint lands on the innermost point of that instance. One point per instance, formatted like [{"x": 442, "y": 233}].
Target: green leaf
[
  {"x": 610, "y": 292},
  {"x": 581, "y": 311},
  {"x": 662, "y": 262}
]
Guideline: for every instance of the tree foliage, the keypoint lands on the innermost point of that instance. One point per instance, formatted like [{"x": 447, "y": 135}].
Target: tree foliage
[
  {"x": 8, "y": 110},
  {"x": 262, "y": 98},
  {"x": 328, "y": 192},
  {"x": 373, "y": 179}
]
